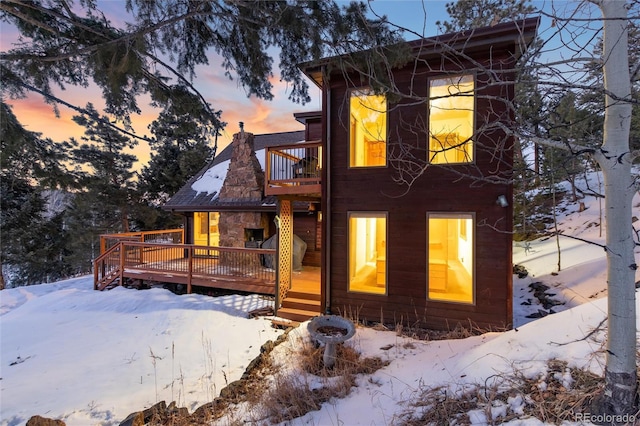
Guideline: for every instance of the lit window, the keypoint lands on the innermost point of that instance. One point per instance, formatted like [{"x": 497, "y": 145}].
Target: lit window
[
  {"x": 450, "y": 257},
  {"x": 368, "y": 129},
  {"x": 368, "y": 252},
  {"x": 451, "y": 105},
  {"x": 205, "y": 229}
]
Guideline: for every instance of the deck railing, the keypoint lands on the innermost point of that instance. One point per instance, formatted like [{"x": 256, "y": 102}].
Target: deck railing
[
  {"x": 167, "y": 236},
  {"x": 221, "y": 267},
  {"x": 294, "y": 169},
  {"x": 107, "y": 267}
]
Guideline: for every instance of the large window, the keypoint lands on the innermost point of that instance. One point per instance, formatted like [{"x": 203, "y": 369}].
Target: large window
[
  {"x": 205, "y": 229},
  {"x": 368, "y": 129},
  {"x": 368, "y": 252},
  {"x": 451, "y": 106},
  {"x": 450, "y": 257}
]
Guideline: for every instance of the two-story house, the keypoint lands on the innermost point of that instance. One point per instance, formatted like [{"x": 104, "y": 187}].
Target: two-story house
[
  {"x": 416, "y": 183},
  {"x": 398, "y": 193}
]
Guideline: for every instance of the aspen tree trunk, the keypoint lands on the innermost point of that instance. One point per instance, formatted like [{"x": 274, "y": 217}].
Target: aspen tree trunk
[{"x": 618, "y": 397}]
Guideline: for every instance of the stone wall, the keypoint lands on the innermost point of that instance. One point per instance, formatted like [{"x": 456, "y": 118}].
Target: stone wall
[{"x": 244, "y": 183}]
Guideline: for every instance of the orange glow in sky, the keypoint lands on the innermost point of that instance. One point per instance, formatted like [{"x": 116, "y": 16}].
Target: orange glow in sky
[{"x": 259, "y": 116}]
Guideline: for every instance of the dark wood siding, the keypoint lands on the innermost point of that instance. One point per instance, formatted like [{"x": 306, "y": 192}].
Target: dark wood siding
[
  {"x": 305, "y": 226},
  {"x": 437, "y": 190},
  {"x": 313, "y": 130}
]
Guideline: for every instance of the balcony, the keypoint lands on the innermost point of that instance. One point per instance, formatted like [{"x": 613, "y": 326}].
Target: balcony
[{"x": 294, "y": 169}]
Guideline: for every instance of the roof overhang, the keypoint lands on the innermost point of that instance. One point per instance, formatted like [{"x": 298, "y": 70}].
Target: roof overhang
[{"x": 518, "y": 34}]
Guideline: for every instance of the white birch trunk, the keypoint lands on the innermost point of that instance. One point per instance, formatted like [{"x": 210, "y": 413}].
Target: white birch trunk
[{"x": 615, "y": 161}]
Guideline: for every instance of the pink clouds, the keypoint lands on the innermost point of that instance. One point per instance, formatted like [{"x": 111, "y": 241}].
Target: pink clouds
[
  {"x": 37, "y": 116},
  {"x": 259, "y": 116}
]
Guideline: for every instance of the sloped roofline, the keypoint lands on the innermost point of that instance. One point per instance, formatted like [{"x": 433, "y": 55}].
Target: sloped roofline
[
  {"x": 186, "y": 199},
  {"x": 519, "y": 33}
]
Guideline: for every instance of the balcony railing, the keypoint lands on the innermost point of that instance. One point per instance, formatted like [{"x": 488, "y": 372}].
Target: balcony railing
[{"x": 294, "y": 169}]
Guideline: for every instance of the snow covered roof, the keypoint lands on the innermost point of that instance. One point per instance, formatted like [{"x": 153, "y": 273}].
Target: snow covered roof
[{"x": 201, "y": 192}]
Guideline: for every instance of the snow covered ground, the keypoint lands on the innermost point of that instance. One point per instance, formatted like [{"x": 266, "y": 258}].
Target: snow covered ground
[{"x": 91, "y": 358}]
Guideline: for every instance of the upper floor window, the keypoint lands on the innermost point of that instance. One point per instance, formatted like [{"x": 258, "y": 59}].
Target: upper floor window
[
  {"x": 451, "y": 118},
  {"x": 368, "y": 129}
]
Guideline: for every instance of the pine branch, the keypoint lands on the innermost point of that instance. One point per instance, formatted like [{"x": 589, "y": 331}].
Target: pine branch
[{"x": 81, "y": 110}]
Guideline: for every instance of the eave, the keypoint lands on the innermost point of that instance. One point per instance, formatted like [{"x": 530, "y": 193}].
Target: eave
[{"x": 518, "y": 34}]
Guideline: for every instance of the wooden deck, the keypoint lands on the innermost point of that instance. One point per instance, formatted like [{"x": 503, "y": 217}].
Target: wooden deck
[
  {"x": 237, "y": 269},
  {"x": 306, "y": 281}
]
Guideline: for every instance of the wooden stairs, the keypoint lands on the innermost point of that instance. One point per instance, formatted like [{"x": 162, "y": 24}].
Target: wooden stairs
[{"x": 297, "y": 307}]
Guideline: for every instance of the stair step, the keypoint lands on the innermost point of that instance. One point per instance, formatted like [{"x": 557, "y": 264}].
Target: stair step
[
  {"x": 303, "y": 295},
  {"x": 303, "y": 304},
  {"x": 299, "y": 315}
]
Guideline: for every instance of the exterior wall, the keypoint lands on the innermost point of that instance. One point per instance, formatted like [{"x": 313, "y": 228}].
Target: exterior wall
[
  {"x": 313, "y": 130},
  {"x": 437, "y": 190},
  {"x": 305, "y": 226}
]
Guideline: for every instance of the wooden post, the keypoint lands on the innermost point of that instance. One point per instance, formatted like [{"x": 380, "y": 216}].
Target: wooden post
[
  {"x": 285, "y": 250},
  {"x": 95, "y": 276},
  {"x": 121, "y": 271},
  {"x": 190, "y": 271}
]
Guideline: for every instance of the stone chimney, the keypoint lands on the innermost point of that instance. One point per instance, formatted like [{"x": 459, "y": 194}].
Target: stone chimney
[
  {"x": 245, "y": 178},
  {"x": 244, "y": 183}
]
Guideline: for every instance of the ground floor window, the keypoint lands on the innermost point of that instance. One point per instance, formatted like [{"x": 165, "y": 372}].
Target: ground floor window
[
  {"x": 450, "y": 257},
  {"x": 368, "y": 252},
  {"x": 205, "y": 229}
]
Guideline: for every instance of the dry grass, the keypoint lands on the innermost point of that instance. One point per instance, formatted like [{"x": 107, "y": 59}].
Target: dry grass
[
  {"x": 269, "y": 393},
  {"x": 554, "y": 397},
  {"x": 297, "y": 393}
]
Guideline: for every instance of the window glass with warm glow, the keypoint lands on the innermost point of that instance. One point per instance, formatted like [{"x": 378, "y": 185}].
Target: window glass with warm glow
[
  {"x": 450, "y": 257},
  {"x": 451, "y": 106},
  {"x": 368, "y": 129},
  {"x": 368, "y": 252},
  {"x": 205, "y": 230}
]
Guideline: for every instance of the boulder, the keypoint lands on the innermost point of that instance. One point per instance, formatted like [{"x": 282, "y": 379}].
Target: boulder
[{"x": 43, "y": 421}]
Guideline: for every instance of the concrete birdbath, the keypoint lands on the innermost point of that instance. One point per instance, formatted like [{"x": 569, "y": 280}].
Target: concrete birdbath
[{"x": 330, "y": 330}]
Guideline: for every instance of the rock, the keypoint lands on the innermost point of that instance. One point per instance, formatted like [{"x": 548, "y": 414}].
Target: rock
[
  {"x": 134, "y": 419},
  {"x": 539, "y": 314},
  {"x": 538, "y": 286},
  {"x": 233, "y": 390},
  {"x": 141, "y": 418},
  {"x": 208, "y": 411},
  {"x": 520, "y": 271},
  {"x": 43, "y": 421}
]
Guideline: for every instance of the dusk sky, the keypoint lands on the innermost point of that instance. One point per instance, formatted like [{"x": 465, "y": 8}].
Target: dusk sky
[{"x": 259, "y": 116}]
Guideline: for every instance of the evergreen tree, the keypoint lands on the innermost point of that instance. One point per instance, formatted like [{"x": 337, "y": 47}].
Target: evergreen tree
[
  {"x": 31, "y": 239},
  {"x": 570, "y": 124},
  {"x": 180, "y": 147},
  {"x": 593, "y": 101},
  {"x": 157, "y": 48},
  {"x": 106, "y": 196},
  {"x": 469, "y": 14},
  {"x": 108, "y": 178}
]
